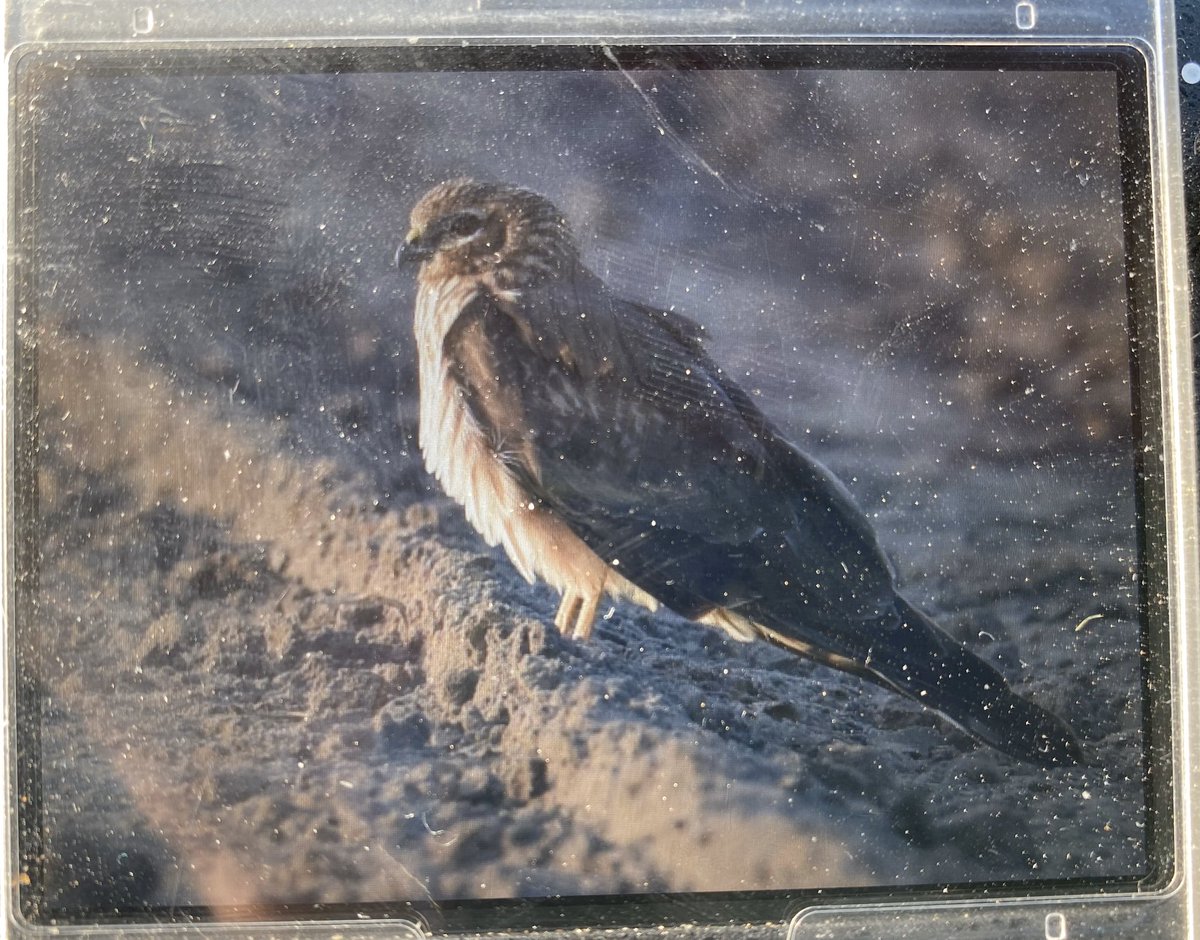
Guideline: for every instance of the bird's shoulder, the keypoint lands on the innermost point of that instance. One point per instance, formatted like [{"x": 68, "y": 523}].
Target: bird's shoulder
[
  {"x": 576, "y": 322},
  {"x": 578, "y": 339}
]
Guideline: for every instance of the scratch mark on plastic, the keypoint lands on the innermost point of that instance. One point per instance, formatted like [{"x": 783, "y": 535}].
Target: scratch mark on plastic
[
  {"x": 1086, "y": 620},
  {"x": 681, "y": 146}
]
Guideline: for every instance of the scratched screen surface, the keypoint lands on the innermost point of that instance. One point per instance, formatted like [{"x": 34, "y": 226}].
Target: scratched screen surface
[{"x": 269, "y": 662}]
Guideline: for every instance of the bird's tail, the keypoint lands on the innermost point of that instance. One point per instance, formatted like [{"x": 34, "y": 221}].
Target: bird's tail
[{"x": 913, "y": 656}]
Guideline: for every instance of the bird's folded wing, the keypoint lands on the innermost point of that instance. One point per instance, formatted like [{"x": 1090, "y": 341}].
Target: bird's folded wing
[
  {"x": 610, "y": 414},
  {"x": 603, "y": 410}
]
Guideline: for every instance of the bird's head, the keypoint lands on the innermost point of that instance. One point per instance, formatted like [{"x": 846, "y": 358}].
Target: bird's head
[{"x": 512, "y": 237}]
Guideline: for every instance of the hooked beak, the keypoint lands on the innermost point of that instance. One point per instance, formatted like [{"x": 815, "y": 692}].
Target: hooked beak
[{"x": 412, "y": 249}]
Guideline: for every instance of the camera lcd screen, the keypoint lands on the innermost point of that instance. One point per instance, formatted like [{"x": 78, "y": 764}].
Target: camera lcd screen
[{"x": 553, "y": 482}]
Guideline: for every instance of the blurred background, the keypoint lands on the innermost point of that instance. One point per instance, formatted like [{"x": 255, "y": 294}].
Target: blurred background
[{"x": 965, "y": 225}]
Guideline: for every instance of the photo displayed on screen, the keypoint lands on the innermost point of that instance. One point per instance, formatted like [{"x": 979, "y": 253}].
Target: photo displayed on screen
[{"x": 543, "y": 474}]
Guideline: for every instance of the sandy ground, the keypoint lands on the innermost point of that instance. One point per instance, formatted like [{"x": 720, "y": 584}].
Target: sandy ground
[
  {"x": 292, "y": 693},
  {"x": 277, "y": 667}
]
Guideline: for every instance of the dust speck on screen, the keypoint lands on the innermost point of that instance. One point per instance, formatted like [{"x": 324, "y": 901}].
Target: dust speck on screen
[{"x": 571, "y": 473}]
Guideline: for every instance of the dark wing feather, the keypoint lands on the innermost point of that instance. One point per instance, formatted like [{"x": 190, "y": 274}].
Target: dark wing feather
[{"x": 612, "y": 414}]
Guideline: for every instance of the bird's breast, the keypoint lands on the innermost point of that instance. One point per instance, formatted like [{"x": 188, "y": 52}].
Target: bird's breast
[
  {"x": 453, "y": 446},
  {"x": 462, "y": 458}
]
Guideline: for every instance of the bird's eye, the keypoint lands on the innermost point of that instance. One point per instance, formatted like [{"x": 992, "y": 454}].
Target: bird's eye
[{"x": 463, "y": 224}]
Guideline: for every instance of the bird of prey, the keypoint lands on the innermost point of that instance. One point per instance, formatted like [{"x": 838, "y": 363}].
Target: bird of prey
[{"x": 596, "y": 440}]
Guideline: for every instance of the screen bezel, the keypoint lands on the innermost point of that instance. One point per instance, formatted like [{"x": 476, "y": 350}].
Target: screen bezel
[{"x": 1130, "y": 68}]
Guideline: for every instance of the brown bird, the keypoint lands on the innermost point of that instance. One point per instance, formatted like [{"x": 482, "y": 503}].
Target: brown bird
[{"x": 595, "y": 439}]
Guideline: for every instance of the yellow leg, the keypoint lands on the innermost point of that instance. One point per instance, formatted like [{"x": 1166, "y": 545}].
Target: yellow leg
[
  {"x": 568, "y": 611},
  {"x": 586, "y": 617},
  {"x": 577, "y": 611}
]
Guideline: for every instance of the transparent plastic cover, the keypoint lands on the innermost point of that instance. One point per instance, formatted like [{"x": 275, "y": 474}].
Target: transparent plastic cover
[{"x": 501, "y": 484}]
